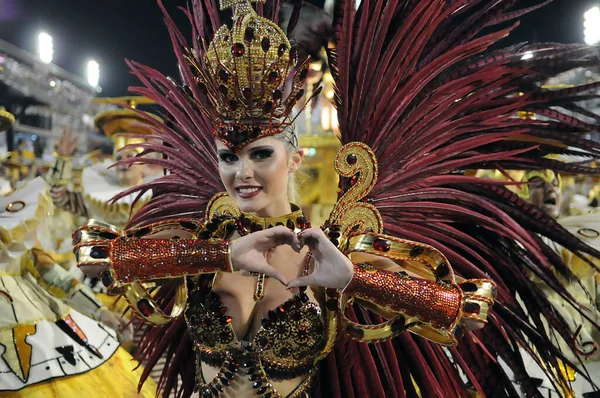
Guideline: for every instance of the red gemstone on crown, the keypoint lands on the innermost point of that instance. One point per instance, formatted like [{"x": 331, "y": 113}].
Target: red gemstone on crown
[
  {"x": 249, "y": 34},
  {"x": 277, "y": 94},
  {"x": 351, "y": 159},
  {"x": 281, "y": 49},
  {"x": 265, "y": 44},
  {"x": 238, "y": 49},
  {"x": 268, "y": 107},
  {"x": 223, "y": 75}
]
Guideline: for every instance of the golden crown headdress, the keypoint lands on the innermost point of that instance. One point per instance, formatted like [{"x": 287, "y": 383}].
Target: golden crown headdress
[{"x": 243, "y": 75}]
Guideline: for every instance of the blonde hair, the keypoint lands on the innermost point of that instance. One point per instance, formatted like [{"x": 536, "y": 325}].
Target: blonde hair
[{"x": 289, "y": 137}]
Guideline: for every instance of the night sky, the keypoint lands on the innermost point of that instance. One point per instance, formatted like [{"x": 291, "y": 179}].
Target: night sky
[{"x": 111, "y": 30}]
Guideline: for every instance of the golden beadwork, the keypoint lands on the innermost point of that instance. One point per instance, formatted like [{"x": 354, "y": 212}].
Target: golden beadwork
[{"x": 222, "y": 204}]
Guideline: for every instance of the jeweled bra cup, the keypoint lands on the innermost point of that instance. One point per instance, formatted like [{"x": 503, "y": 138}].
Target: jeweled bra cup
[{"x": 286, "y": 346}]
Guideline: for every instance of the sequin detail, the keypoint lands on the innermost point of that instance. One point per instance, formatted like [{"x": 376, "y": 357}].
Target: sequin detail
[
  {"x": 435, "y": 302},
  {"x": 144, "y": 259},
  {"x": 286, "y": 346}
]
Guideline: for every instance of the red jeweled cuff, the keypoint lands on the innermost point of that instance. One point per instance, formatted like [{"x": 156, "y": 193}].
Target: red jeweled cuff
[
  {"x": 147, "y": 259},
  {"x": 435, "y": 302}
]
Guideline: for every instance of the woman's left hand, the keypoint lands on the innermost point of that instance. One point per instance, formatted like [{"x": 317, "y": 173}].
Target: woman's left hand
[{"x": 332, "y": 269}]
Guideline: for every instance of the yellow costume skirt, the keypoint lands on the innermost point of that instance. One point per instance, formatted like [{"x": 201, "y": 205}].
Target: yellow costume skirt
[{"x": 115, "y": 379}]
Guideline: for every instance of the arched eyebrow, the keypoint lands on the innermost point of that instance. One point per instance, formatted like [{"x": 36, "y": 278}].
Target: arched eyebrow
[{"x": 224, "y": 152}]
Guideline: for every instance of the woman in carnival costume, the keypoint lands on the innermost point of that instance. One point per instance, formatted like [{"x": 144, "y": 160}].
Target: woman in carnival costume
[
  {"x": 252, "y": 300},
  {"x": 51, "y": 338}
]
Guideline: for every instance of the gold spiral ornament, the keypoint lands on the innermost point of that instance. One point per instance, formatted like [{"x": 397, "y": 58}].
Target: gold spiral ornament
[
  {"x": 222, "y": 204},
  {"x": 357, "y": 162}
]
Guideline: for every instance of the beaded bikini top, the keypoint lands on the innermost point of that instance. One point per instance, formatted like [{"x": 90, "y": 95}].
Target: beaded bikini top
[{"x": 287, "y": 345}]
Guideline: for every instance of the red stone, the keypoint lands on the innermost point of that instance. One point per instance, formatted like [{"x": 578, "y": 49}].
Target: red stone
[
  {"x": 201, "y": 86},
  {"x": 223, "y": 75},
  {"x": 107, "y": 279},
  {"x": 77, "y": 237},
  {"x": 442, "y": 270},
  {"x": 265, "y": 44},
  {"x": 238, "y": 49},
  {"x": 145, "y": 307},
  {"x": 351, "y": 159},
  {"x": 472, "y": 308},
  {"x": 416, "y": 251},
  {"x": 268, "y": 107},
  {"x": 277, "y": 94},
  {"x": 247, "y": 92},
  {"x": 281, "y": 49},
  {"x": 249, "y": 34},
  {"x": 273, "y": 76},
  {"x": 302, "y": 222},
  {"x": 99, "y": 252},
  {"x": 468, "y": 287},
  {"x": 381, "y": 245}
]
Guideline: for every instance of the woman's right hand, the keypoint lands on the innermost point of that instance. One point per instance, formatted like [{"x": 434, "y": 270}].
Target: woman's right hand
[
  {"x": 249, "y": 253},
  {"x": 67, "y": 143}
]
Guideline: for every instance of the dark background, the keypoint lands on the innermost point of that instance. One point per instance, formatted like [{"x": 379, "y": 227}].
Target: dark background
[{"x": 111, "y": 30}]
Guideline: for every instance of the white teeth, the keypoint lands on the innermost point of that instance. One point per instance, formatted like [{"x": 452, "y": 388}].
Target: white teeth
[{"x": 248, "y": 190}]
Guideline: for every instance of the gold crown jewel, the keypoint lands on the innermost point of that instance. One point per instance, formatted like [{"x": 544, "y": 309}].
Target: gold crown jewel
[{"x": 243, "y": 76}]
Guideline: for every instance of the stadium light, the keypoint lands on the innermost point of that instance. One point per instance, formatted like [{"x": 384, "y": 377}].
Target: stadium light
[
  {"x": 45, "y": 47},
  {"x": 93, "y": 73},
  {"x": 591, "y": 25}
]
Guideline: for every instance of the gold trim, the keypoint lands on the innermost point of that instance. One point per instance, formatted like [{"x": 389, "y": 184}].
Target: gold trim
[
  {"x": 9, "y": 207},
  {"x": 424, "y": 261},
  {"x": 135, "y": 293},
  {"x": 268, "y": 222},
  {"x": 222, "y": 204},
  {"x": 356, "y": 161}
]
